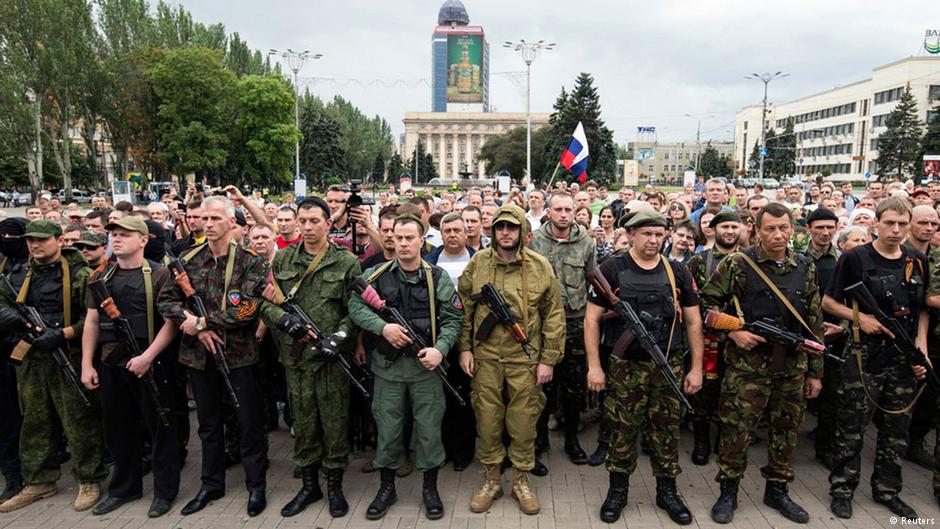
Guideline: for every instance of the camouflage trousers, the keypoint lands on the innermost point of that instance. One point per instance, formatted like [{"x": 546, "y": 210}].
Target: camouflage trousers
[
  {"x": 892, "y": 388},
  {"x": 51, "y": 406},
  {"x": 638, "y": 395},
  {"x": 319, "y": 398},
  {"x": 746, "y": 394}
]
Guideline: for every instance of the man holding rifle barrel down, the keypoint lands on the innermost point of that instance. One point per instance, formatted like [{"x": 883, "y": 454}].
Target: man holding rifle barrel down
[
  {"x": 219, "y": 348},
  {"x": 422, "y": 295},
  {"x": 656, "y": 301},
  {"x": 506, "y": 358},
  {"x": 123, "y": 327},
  {"x": 53, "y": 400},
  {"x": 768, "y": 281},
  {"x": 315, "y": 276}
]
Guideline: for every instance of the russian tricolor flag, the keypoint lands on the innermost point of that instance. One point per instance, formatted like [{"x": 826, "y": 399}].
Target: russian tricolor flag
[{"x": 575, "y": 157}]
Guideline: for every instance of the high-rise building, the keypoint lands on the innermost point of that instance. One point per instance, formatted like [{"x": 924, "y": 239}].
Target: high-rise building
[{"x": 460, "y": 65}]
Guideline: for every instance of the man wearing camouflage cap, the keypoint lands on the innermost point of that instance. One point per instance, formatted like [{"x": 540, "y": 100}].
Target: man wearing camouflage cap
[
  {"x": 93, "y": 245},
  {"x": 55, "y": 286},
  {"x": 664, "y": 291}
]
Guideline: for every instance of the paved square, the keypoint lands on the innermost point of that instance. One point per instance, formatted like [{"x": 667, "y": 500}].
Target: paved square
[{"x": 571, "y": 497}]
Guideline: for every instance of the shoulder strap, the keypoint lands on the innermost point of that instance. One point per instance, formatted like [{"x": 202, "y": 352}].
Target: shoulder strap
[
  {"x": 148, "y": 290},
  {"x": 311, "y": 268},
  {"x": 677, "y": 314},
  {"x": 229, "y": 270},
  {"x": 192, "y": 253},
  {"x": 773, "y": 288},
  {"x": 66, "y": 290},
  {"x": 432, "y": 294},
  {"x": 380, "y": 270}
]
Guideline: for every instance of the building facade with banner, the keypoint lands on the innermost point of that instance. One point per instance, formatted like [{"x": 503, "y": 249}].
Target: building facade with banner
[
  {"x": 669, "y": 161},
  {"x": 460, "y": 66},
  {"x": 837, "y": 130}
]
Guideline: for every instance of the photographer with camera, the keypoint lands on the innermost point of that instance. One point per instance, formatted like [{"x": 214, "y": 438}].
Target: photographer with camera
[{"x": 353, "y": 213}]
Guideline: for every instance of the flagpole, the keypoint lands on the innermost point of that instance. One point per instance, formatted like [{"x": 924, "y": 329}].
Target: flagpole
[{"x": 552, "y": 179}]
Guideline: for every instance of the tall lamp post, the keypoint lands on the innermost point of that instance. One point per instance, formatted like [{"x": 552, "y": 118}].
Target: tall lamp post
[
  {"x": 766, "y": 79},
  {"x": 698, "y": 138},
  {"x": 295, "y": 61},
  {"x": 528, "y": 51}
]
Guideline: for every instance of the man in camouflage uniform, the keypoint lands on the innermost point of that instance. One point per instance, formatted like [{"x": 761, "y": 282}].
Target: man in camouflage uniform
[
  {"x": 821, "y": 224},
  {"x": 230, "y": 281},
  {"x": 758, "y": 376},
  {"x": 570, "y": 250},
  {"x": 896, "y": 276},
  {"x": 639, "y": 394},
  {"x": 316, "y": 275},
  {"x": 498, "y": 365},
  {"x": 425, "y": 296},
  {"x": 55, "y": 286},
  {"x": 727, "y": 226}
]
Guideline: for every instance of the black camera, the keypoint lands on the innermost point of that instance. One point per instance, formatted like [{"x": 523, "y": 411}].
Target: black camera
[{"x": 354, "y": 200}]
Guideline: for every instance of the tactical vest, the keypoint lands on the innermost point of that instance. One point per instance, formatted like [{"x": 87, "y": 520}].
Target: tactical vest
[
  {"x": 825, "y": 268},
  {"x": 45, "y": 295},
  {"x": 652, "y": 298},
  {"x": 760, "y": 302},
  {"x": 127, "y": 291},
  {"x": 898, "y": 294},
  {"x": 412, "y": 300}
]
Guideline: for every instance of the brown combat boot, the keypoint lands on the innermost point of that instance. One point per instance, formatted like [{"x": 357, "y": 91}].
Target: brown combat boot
[
  {"x": 88, "y": 496},
  {"x": 523, "y": 493},
  {"x": 30, "y": 494},
  {"x": 491, "y": 490}
]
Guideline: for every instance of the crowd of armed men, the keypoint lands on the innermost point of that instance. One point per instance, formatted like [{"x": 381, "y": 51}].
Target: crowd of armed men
[{"x": 467, "y": 324}]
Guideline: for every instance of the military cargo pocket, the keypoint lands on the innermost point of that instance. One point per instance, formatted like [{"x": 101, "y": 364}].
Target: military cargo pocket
[{"x": 331, "y": 285}]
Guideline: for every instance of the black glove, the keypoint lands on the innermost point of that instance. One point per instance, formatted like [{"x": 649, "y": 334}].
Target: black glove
[
  {"x": 49, "y": 340},
  {"x": 292, "y": 325},
  {"x": 329, "y": 346},
  {"x": 10, "y": 320}
]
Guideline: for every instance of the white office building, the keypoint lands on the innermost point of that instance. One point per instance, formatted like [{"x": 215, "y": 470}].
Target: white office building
[{"x": 837, "y": 130}]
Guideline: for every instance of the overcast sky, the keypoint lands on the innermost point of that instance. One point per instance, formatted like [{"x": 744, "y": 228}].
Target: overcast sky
[{"x": 653, "y": 62}]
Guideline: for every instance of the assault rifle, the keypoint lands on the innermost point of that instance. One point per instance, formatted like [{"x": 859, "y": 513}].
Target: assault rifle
[
  {"x": 35, "y": 321},
  {"x": 370, "y": 297},
  {"x": 768, "y": 329},
  {"x": 500, "y": 312},
  {"x": 123, "y": 327},
  {"x": 638, "y": 331},
  {"x": 902, "y": 342},
  {"x": 182, "y": 281},
  {"x": 328, "y": 345}
]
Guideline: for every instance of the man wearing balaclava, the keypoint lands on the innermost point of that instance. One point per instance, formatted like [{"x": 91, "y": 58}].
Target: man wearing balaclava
[{"x": 13, "y": 263}]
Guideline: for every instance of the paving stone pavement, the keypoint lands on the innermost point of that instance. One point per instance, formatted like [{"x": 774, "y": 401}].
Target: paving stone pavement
[{"x": 571, "y": 497}]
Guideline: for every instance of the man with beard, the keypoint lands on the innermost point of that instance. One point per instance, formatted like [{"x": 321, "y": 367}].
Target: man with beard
[
  {"x": 13, "y": 265},
  {"x": 727, "y": 226},
  {"x": 195, "y": 226},
  {"x": 498, "y": 364},
  {"x": 570, "y": 250}
]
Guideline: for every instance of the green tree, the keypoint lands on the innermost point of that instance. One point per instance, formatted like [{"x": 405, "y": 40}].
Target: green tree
[
  {"x": 321, "y": 152},
  {"x": 785, "y": 151},
  {"x": 506, "y": 152},
  {"x": 396, "y": 166},
  {"x": 378, "y": 170},
  {"x": 582, "y": 105},
  {"x": 193, "y": 92},
  {"x": 931, "y": 141},
  {"x": 263, "y": 134},
  {"x": 421, "y": 165},
  {"x": 710, "y": 164},
  {"x": 899, "y": 146}
]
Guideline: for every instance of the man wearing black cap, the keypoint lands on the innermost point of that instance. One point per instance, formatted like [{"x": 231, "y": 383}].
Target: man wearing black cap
[
  {"x": 132, "y": 282},
  {"x": 638, "y": 395},
  {"x": 727, "y": 226},
  {"x": 822, "y": 224},
  {"x": 13, "y": 263}
]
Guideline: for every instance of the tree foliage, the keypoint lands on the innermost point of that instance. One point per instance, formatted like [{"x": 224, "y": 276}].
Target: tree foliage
[
  {"x": 506, "y": 152},
  {"x": 899, "y": 147}
]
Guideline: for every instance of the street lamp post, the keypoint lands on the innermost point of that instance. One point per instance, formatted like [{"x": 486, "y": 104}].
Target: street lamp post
[
  {"x": 766, "y": 79},
  {"x": 698, "y": 138},
  {"x": 295, "y": 61},
  {"x": 528, "y": 51}
]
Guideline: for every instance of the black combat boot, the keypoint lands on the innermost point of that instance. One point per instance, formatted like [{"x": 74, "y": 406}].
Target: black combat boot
[
  {"x": 433, "y": 507},
  {"x": 617, "y": 493},
  {"x": 776, "y": 496},
  {"x": 916, "y": 453},
  {"x": 385, "y": 497},
  {"x": 599, "y": 456},
  {"x": 723, "y": 509},
  {"x": 309, "y": 492},
  {"x": 572, "y": 447},
  {"x": 702, "y": 432},
  {"x": 669, "y": 500},
  {"x": 841, "y": 507},
  {"x": 334, "y": 492}
]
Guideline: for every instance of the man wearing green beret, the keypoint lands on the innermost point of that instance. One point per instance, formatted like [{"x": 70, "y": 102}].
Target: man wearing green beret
[
  {"x": 55, "y": 286},
  {"x": 664, "y": 293}
]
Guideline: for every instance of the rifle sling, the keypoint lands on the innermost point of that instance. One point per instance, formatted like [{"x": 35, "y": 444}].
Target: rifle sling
[
  {"x": 783, "y": 299},
  {"x": 66, "y": 290}
]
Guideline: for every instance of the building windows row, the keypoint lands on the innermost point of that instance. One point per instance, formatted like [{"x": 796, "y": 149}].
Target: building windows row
[
  {"x": 881, "y": 120},
  {"x": 828, "y": 150},
  {"x": 887, "y": 96},
  {"x": 933, "y": 93},
  {"x": 831, "y": 112},
  {"x": 834, "y": 168},
  {"x": 834, "y": 130}
]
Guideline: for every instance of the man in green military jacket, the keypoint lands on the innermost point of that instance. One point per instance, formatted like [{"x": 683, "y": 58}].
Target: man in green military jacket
[
  {"x": 315, "y": 275},
  {"x": 426, "y": 297}
]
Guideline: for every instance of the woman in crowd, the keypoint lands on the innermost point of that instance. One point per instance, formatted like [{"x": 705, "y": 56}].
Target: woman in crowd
[
  {"x": 706, "y": 235},
  {"x": 604, "y": 233},
  {"x": 583, "y": 217}
]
